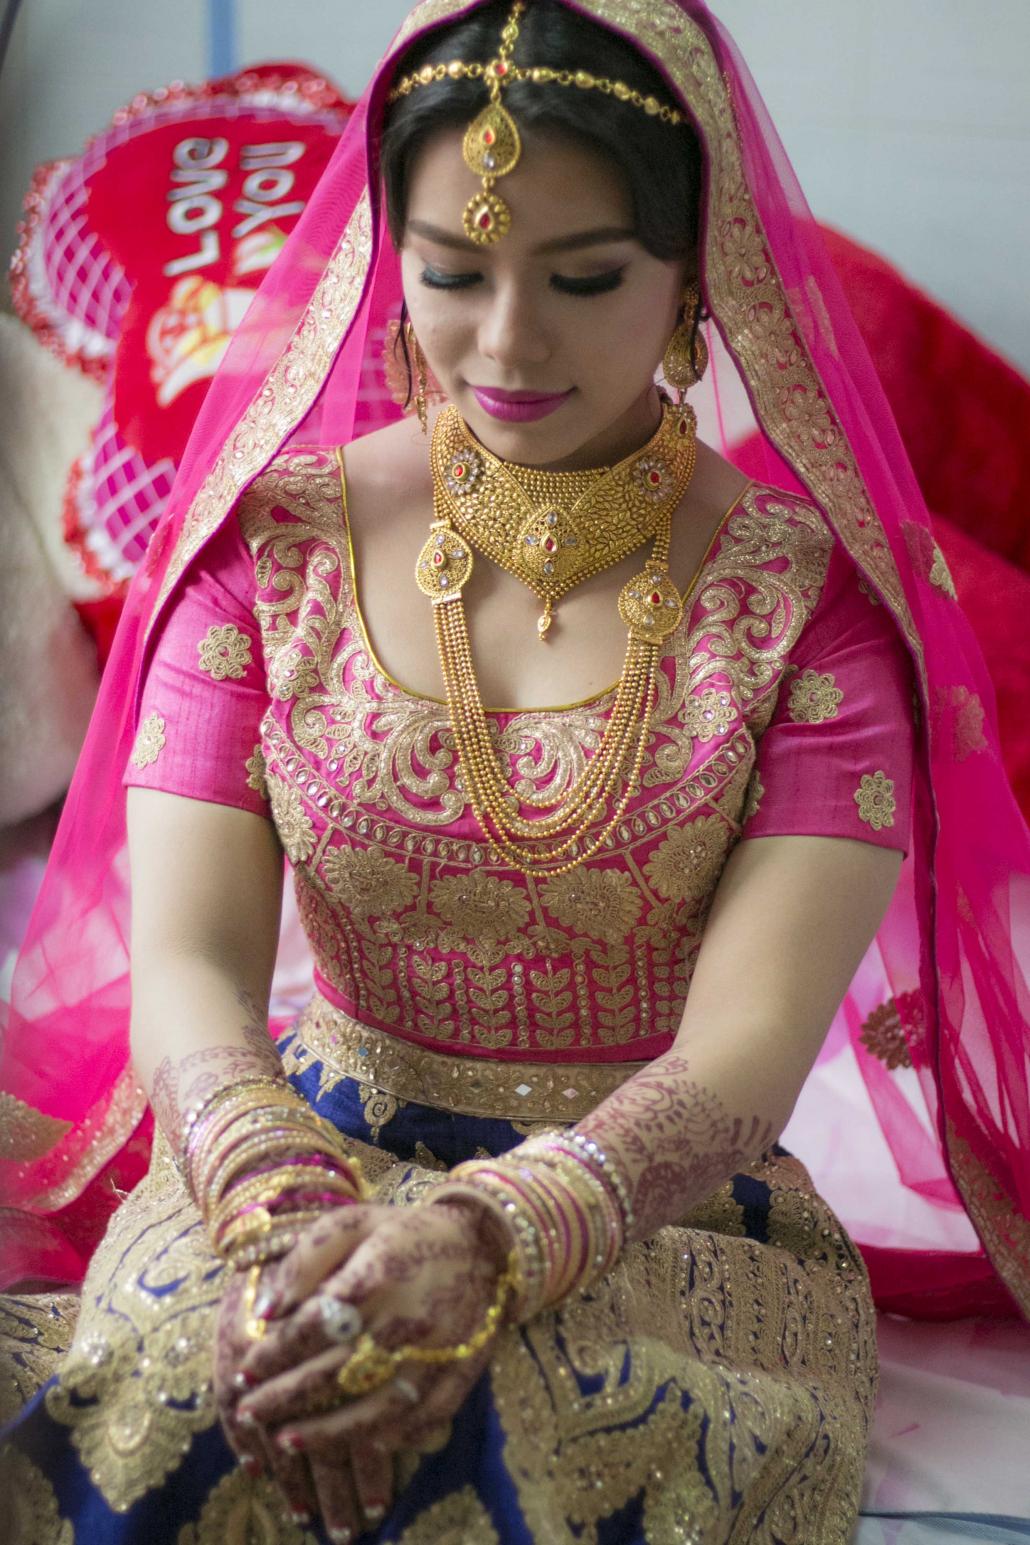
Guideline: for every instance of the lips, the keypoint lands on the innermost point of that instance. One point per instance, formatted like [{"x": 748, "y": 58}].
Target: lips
[{"x": 518, "y": 407}]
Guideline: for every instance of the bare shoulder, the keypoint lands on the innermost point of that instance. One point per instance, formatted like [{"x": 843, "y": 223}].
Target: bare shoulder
[
  {"x": 389, "y": 464},
  {"x": 717, "y": 484}
]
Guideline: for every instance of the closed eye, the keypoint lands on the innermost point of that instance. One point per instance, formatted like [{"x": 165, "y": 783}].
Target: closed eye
[{"x": 596, "y": 284}]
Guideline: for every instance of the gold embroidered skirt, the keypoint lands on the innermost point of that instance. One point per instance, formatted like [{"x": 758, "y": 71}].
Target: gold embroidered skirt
[{"x": 716, "y": 1386}]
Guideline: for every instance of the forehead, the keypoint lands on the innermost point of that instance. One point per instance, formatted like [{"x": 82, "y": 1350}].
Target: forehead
[{"x": 561, "y": 184}]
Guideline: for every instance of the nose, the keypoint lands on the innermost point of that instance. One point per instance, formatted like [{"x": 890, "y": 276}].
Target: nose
[{"x": 511, "y": 333}]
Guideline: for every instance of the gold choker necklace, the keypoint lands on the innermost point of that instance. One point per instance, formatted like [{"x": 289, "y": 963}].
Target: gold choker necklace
[
  {"x": 650, "y": 607},
  {"x": 554, "y": 529}
]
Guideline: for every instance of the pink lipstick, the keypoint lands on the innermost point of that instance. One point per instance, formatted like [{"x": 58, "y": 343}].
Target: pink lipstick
[{"x": 518, "y": 407}]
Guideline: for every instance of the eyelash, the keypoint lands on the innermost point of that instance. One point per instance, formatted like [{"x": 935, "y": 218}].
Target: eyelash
[{"x": 599, "y": 284}]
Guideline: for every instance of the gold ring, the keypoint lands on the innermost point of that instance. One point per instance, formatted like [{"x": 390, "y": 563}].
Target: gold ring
[{"x": 367, "y": 1369}]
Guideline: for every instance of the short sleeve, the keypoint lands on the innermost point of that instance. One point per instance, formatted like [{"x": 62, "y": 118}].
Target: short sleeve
[
  {"x": 205, "y": 692},
  {"x": 836, "y": 758}
]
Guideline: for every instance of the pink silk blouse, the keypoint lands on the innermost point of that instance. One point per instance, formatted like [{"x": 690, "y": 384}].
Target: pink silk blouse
[{"x": 786, "y": 706}]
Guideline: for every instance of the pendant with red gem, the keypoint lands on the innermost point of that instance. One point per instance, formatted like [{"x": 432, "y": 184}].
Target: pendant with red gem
[
  {"x": 650, "y": 606},
  {"x": 444, "y": 564}
]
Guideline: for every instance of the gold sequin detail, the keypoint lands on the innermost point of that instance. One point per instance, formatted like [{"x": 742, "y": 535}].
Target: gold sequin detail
[
  {"x": 999, "y": 1222},
  {"x": 257, "y": 772},
  {"x": 755, "y": 795},
  {"x": 458, "y": 1519},
  {"x": 292, "y": 822},
  {"x": 814, "y": 697},
  {"x": 688, "y": 863},
  {"x": 883, "y": 1034},
  {"x": 35, "y": 1329},
  {"x": 224, "y": 653},
  {"x": 240, "y": 1510},
  {"x": 959, "y": 718},
  {"x": 469, "y": 1086},
  {"x": 150, "y": 741},
  {"x": 26, "y": 1133},
  {"x": 368, "y": 882},
  {"x": 31, "y": 1511},
  {"x": 875, "y": 800},
  {"x": 940, "y": 574}
]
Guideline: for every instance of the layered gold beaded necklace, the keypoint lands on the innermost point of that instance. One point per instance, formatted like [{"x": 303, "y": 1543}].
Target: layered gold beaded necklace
[{"x": 552, "y": 530}]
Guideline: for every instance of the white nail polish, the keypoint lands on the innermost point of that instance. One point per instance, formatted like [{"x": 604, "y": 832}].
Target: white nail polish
[
  {"x": 341, "y": 1535},
  {"x": 375, "y": 1513}
]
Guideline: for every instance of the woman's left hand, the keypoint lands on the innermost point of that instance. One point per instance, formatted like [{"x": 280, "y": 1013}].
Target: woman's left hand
[{"x": 422, "y": 1275}]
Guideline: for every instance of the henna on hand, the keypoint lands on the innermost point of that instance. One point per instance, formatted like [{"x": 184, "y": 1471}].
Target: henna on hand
[
  {"x": 184, "y": 1081},
  {"x": 673, "y": 1140}
]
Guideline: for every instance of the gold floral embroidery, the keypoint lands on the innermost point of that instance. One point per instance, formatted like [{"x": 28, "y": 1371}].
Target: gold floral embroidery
[
  {"x": 814, "y": 698},
  {"x": 477, "y": 905},
  {"x": 457, "y": 1519},
  {"x": 292, "y": 822},
  {"x": 875, "y": 800},
  {"x": 960, "y": 717},
  {"x": 26, "y": 1133},
  {"x": 940, "y": 574},
  {"x": 150, "y": 741},
  {"x": 66, "y": 1169},
  {"x": 600, "y": 903},
  {"x": 31, "y": 1510},
  {"x": 35, "y": 1329},
  {"x": 242, "y": 1511},
  {"x": 710, "y": 714},
  {"x": 257, "y": 771},
  {"x": 883, "y": 1034},
  {"x": 755, "y": 795},
  {"x": 224, "y": 653},
  {"x": 687, "y": 864},
  {"x": 368, "y": 882}
]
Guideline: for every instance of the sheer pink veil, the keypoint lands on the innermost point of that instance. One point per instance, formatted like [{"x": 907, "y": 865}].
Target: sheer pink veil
[{"x": 944, "y": 981}]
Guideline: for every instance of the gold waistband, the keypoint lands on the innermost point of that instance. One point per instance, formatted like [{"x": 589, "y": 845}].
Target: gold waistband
[{"x": 468, "y": 1086}]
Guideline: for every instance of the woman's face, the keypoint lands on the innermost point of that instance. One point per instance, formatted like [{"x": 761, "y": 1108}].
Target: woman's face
[{"x": 568, "y": 305}]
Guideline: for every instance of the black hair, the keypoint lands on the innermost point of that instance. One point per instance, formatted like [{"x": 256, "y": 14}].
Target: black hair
[{"x": 661, "y": 163}]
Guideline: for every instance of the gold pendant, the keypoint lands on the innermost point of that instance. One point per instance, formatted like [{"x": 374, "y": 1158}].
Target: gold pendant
[
  {"x": 492, "y": 146},
  {"x": 543, "y": 622},
  {"x": 650, "y": 606},
  {"x": 444, "y": 565}
]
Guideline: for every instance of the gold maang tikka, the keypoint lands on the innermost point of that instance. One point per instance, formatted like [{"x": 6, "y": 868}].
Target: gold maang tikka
[{"x": 492, "y": 146}]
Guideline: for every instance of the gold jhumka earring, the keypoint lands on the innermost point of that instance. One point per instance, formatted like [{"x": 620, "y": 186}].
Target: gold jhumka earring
[
  {"x": 418, "y": 360},
  {"x": 686, "y": 358}
]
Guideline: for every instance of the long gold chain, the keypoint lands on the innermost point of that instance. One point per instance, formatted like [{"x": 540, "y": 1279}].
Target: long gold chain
[{"x": 651, "y": 608}]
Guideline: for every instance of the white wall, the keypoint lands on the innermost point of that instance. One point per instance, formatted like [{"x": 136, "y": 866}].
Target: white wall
[{"x": 908, "y": 120}]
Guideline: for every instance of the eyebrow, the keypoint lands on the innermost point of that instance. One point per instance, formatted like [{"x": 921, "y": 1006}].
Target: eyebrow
[{"x": 569, "y": 243}]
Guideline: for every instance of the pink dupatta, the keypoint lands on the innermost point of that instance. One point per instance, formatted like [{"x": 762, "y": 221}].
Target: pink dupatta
[{"x": 944, "y": 979}]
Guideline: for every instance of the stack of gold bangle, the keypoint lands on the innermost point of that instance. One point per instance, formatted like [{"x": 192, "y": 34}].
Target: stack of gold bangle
[
  {"x": 259, "y": 1162},
  {"x": 563, "y": 1205}
]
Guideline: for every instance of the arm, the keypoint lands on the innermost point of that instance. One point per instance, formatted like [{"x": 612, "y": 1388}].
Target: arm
[
  {"x": 206, "y": 895},
  {"x": 791, "y": 920}
]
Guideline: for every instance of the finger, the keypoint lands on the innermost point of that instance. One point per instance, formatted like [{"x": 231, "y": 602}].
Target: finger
[
  {"x": 292, "y": 1474},
  {"x": 372, "y": 1471},
  {"x": 337, "y": 1497},
  {"x": 294, "y": 1340},
  {"x": 438, "y": 1403},
  {"x": 297, "y": 1393},
  {"x": 321, "y": 1248},
  {"x": 373, "y": 1418}
]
